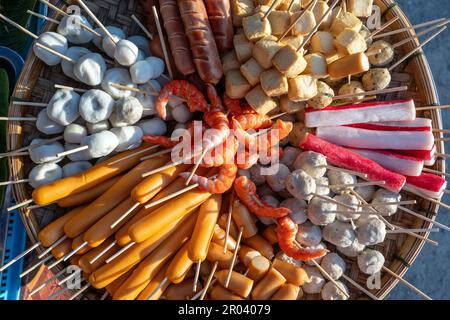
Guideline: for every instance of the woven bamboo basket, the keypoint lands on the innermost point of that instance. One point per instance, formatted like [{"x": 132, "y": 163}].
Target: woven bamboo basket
[{"x": 37, "y": 80}]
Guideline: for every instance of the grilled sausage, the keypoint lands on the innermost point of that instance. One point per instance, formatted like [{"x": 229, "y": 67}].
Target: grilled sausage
[{"x": 219, "y": 15}]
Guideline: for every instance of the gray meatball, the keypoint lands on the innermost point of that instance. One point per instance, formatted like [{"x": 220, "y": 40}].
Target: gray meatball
[
  {"x": 129, "y": 137},
  {"x": 311, "y": 162},
  {"x": 100, "y": 144},
  {"x": 349, "y": 214},
  {"x": 45, "y": 125},
  {"x": 298, "y": 209},
  {"x": 46, "y": 152},
  {"x": 331, "y": 292},
  {"x": 376, "y": 79},
  {"x": 382, "y": 58},
  {"x": 73, "y": 133},
  {"x": 53, "y": 41},
  {"x": 338, "y": 178},
  {"x": 321, "y": 212},
  {"x": 271, "y": 200},
  {"x": 96, "y": 105},
  {"x": 366, "y": 192},
  {"x": 370, "y": 261},
  {"x": 126, "y": 52},
  {"x": 97, "y": 127},
  {"x": 353, "y": 250},
  {"x": 277, "y": 181},
  {"x": 301, "y": 185},
  {"x": 127, "y": 111},
  {"x": 386, "y": 196},
  {"x": 117, "y": 76},
  {"x": 44, "y": 174},
  {"x": 322, "y": 184},
  {"x": 70, "y": 27},
  {"x": 289, "y": 156},
  {"x": 74, "y": 53},
  {"x": 75, "y": 167},
  {"x": 63, "y": 107},
  {"x": 323, "y": 98},
  {"x": 339, "y": 233},
  {"x": 309, "y": 234},
  {"x": 154, "y": 126},
  {"x": 82, "y": 155},
  {"x": 90, "y": 69},
  {"x": 334, "y": 265},
  {"x": 316, "y": 281},
  {"x": 264, "y": 190},
  {"x": 371, "y": 231}
]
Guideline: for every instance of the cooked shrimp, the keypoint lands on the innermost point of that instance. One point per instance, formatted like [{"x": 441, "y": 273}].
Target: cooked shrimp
[
  {"x": 253, "y": 121},
  {"x": 220, "y": 184},
  {"x": 162, "y": 141},
  {"x": 221, "y": 155},
  {"x": 235, "y": 108}
]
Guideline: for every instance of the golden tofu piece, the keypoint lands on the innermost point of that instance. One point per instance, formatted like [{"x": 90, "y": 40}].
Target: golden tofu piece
[
  {"x": 236, "y": 86},
  {"x": 348, "y": 65},
  {"x": 241, "y": 9},
  {"x": 294, "y": 41},
  {"x": 289, "y": 106},
  {"x": 316, "y": 65},
  {"x": 260, "y": 101},
  {"x": 243, "y": 47},
  {"x": 289, "y": 62},
  {"x": 274, "y": 83},
  {"x": 346, "y": 20},
  {"x": 360, "y": 8},
  {"x": 265, "y": 49},
  {"x": 284, "y": 5},
  {"x": 305, "y": 25},
  {"x": 350, "y": 42},
  {"x": 322, "y": 42},
  {"x": 251, "y": 70},
  {"x": 230, "y": 61},
  {"x": 320, "y": 9},
  {"x": 261, "y": 9},
  {"x": 302, "y": 87},
  {"x": 255, "y": 27},
  {"x": 326, "y": 24},
  {"x": 279, "y": 22}
]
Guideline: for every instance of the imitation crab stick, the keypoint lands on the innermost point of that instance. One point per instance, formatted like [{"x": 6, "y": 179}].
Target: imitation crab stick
[
  {"x": 405, "y": 165},
  {"x": 376, "y": 139},
  {"x": 426, "y": 155},
  {"x": 347, "y": 159},
  {"x": 113, "y": 196},
  {"x": 90, "y": 178},
  {"x": 418, "y": 124},
  {"x": 427, "y": 184},
  {"x": 403, "y": 110}
]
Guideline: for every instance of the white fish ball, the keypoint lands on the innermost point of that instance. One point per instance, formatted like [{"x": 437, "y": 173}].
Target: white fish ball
[
  {"x": 334, "y": 265},
  {"x": 142, "y": 43},
  {"x": 129, "y": 137},
  {"x": 96, "y": 105},
  {"x": 330, "y": 291},
  {"x": 141, "y": 72},
  {"x": 181, "y": 113},
  {"x": 47, "y": 126},
  {"x": 73, "y": 133},
  {"x": 54, "y": 41},
  {"x": 46, "y": 152},
  {"x": 97, "y": 127},
  {"x": 82, "y": 155},
  {"x": 339, "y": 233},
  {"x": 126, "y": 52},
  {"x": 113, "y": 30},
  {"x": 298, "y": 209},
  {"x": 70, "y": 27},
  {"x": 63, "y": 107},
  {"x": 127, "y": 111},
  {"x": 109, "y": 46},
  {"x": 316, "y": 281},
  {"x": 74, "y": 53},
  {"x": 100, "y": 144},
  {"x": 370, "y": 261},
  {"x": 158, "y": 66},
  {"x": 309, "y": 234},
  {"x": 153, "y": 127},
  {"x": 44, "y": 174},
  {"x": 75, "y": 167},
  {"x": 90, "y": 69},
  {"x": 117, "y": 76}
]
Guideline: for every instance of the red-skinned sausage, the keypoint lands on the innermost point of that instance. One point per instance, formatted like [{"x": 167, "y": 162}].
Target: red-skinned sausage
[{"x": 219, "y": 15}]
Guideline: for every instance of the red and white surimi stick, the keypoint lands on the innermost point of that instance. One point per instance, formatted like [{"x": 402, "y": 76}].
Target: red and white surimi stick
[
  {"x": 376, "y": 139},
  {"x": 418, "y": 124},
  {"x": 427, "y": 184},
  {"x": 347, "y": 159},
  {"x": 402, "y": 164},
  {"x": 425, "y": 155},
  {"x": 402, "y": 110}
]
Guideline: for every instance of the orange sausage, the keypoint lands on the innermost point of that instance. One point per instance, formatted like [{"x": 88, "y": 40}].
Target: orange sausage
[
  {"x": 90, "y": 178},
  {"x": 215, "y": 253},
  {"x": 270, "y": 234},
  {"x": 78, "y": 241},
  {"x": 243, "y": 218},
  {"x": 173, "y": 210},
  {"x": 88, "y": 195},
  {"x": 150, "y": 266},
  {"x": 113, "y": 286},
  {"x": 272, "y": 281},
  {"x": 153, "y": 285},
  {"x": 153, "y": 184},
  {"x": 219, "y": 236},
  {"x": 220, "y": 293},
  {"x": 234, "y": 231},
  {"x": 260, "y": 244},
  {"x": 247, "y": 254},
  {"x": 74, "y": 260},
  {"x": 108, "y": 200},
  {"x": 62, "y": 249},
  {"x": 287, "y": 292},
  {"x": 102, "y": 230},
  {"x": 258, "y": 267},
  {"x": 111, "y": 271},
  {"x": 85, "y": 259},
  {"x": 180, "y": 265},
  {"x": 293, "y": 274},
  {"x": 204, "y": 228},
  {"x": 55, "y": 229},
  {"x": 182, "y": 291},
  {"x": 239, "y": 283}
]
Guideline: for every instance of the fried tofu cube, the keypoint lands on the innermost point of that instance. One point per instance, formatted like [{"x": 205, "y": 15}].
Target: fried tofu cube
[
  {"x": 289, "y": 106},
  {"x": 302, "y": 87},
  {"x": 274, "y": 83},
  {"x": 284, "y": 5},
  {"x": 350, "y": 42},
  {"x": 265, "y": 49},
  {"x": 236, "y": 86},
  {"x": 230, "y": 61},
  {"x": 305, "y": 25},
  {"x": 279, "y": 22},
  {"x": 320, "y": 9},
  {"x": 293, "y": 41},
  {"x": 316, "y": 65},
  {"x": 346, "y": 20},
  {"x": 289, "y": 62},
  {"x": 243, "y": 47},
  {"x": 322, "y": 42},
  {"x": 260, "y": 101},
  {"x": 241, "y": 9},
  {"x": 360, "y": 8},
  {"x": 255, "y": 27},
  {"x": 251, "y": 70}
]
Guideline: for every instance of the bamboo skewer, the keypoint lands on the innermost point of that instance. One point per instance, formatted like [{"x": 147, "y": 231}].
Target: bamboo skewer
[
  {"x": 197, "y": 275},
  {"x": 412, "y": 230},
  {"x": 156, "y": 154},
  {"x": 60, "y": 86},
  {"x": 46, "y": 282},
  {"x": 309, "y": 8},
  {"x": 18, "y": 119},
  {"x": 20, "y": 256},
  {"x": 409, "y": 285},
  {"x": 163, "y": 41},
  {"x": 417, "y": 26},
  {"x": 143, "y": 28},
  {"x": 54, "y": 245},
  {"x": 29, "y": 103},
  {"x": 56, "y": 53},
  {"x": 384, "y": 26},
  {"x": 171, "y": 196},
  {"x": 392, "y": 203},
  {"x": 208, "y": 281},
  {"x": 134, "y": 154},
  {"x": 233, "y": 261},
  {"x": 118, "y": 253},
  {"x": 35, "y": 266},
  {"x": 433, "y": 108},
  {"x": 227, "y": 230},
  {"x": 327, "y": 275},
  {"x": 20, "y": 205},
  {"x": 415, "y": 214},
  {"x": 97, "y": 21},
  {"x": 72, "y": 151},
  {"x": 7, "y": 183},
  {"x": 100, "y": 254},
  {"x": 42, "y": 17},
  {"x": 370, "y": 93},
  {"x": 359, "y": 184},
  {"x": 76, "y": 294},
  {"x": 416, "y": 36},
  {"x": 18, "y": 26},
  {"x": 436, "y": 172},
  {"x": 124, "y": 215},
  {"x": 163, "y": 282}
]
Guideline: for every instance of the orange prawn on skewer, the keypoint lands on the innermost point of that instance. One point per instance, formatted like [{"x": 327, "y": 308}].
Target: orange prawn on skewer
[{"x": 220, "y": 184}]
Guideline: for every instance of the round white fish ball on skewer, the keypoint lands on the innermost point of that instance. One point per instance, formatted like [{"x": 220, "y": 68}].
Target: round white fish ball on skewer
[
  {"x": 96, "y": 105},
  {"x": 44, "y": 174},
  {"x": 129, "y": 137},
  {"x": 370, "y": 261},
  {"x": 70, "y": 27},
  {"x": 126, "y": 52},
  {"x": 97, "y": 127},
  {"x": 90, "y": 69},
  {"x": 142, "y": 43},
  {"x": 82, "y": 155},
  {"x": 109, "y": 46},
  {"x": 46, "y": 152},
  {"x": 272, "y": 201},
  {"x": 352, "y": 88},
  {"x": 74, "y": 53},
  {"x": 75, "y": 167},
  {"x": 115, "y": 31},
  {"x": 117, "y": 76},
  {"x": 334, "y": 265},
  {"x": 154, "y": 126},
  {"x": 376, "y": 79},
  {"x": 148, "y": 99},
  {"x": 45, "y": 125},
  {"x": 100, "y": 144},
  {"x": 181, "y": 113},
  {"x": 264, "y": 190},
  {"x": 312, "y": 163},
  {"x": 301, "y": 185},
  {"x": 140, "y": 56},
  {"x": 339, "y": 233},
  {"x": 141, "y": 72},
  {"x": 331, "y": 292},
  {"x": 366, "y": 192},
  {"x": 309, "y": 234},
  {"x": 350, "y": 200},
  {"x": 289, "y": 156},
  {"x": 383, "y": 58},
  {"x": 321, "y": 212},
  {"x": 336, "y": 177},
  {"x": 322, "y": 186},
  {"x": 384, "y": 196},
  {"x": 316, "y": 280},
  {"x": 277, "y": 179},
  {"x": 371, "y": 231},
  {"x": 158, "y": 66},
  {"x": 298, "y": 209},
  {"x": 127, "y": 111},
  {"x": 63, "y": 107},
  {"x": 353, "y": 250},
  {"x": 54, "y": 41},
  {"x": 73, "y": 133}
]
